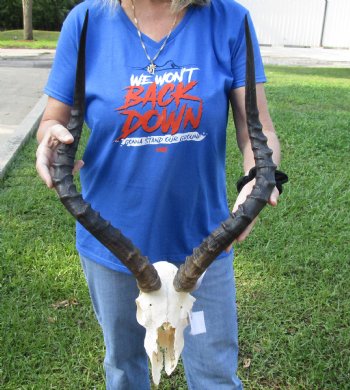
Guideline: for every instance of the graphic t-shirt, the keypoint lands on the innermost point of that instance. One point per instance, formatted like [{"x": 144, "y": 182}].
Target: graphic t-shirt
[{"x": 155, "y": 159}]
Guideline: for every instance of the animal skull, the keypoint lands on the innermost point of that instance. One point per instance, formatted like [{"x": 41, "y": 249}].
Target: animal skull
[
  {"x": 164, "y": 314},
  {"x": 164, "y": 301}
]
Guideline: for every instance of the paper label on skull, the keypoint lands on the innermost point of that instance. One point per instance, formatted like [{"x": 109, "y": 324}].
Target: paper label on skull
[{"x": 197, "y": 322}]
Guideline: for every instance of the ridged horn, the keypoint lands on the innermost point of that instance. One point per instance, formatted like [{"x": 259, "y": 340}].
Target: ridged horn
[
  {"x": 202, "y": 256},
  {"x": 146, "y": 275}
]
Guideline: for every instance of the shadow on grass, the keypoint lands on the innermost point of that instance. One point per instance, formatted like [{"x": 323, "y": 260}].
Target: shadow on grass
[{"x": 341, "y": 73}]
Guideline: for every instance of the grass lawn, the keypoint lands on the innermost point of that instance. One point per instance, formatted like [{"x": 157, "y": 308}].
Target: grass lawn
[
  {"x": 42, "y": 39},
  {"x": 292, "y": 273}
]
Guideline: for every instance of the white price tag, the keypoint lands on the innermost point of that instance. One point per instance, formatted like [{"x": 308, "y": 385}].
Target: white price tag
[{"x": 197, "y": 322}]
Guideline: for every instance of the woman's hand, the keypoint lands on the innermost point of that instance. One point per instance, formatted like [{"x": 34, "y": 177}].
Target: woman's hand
[
  {"x": 46, "y": 152},
  {"x": 246, "y": 190}
]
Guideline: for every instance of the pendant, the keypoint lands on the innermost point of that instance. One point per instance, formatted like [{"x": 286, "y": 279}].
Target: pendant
[{"x": 151, "y": 68}]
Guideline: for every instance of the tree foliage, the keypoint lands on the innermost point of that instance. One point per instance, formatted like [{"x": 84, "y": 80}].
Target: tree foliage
[{"x": 47, "y": 14}]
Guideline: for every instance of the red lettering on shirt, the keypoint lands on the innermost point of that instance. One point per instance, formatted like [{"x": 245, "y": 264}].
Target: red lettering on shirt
[{"x": 164, "y": 118}]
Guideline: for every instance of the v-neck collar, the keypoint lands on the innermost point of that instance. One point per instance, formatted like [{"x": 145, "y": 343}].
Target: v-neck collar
[{"x": 149, "y": 41}]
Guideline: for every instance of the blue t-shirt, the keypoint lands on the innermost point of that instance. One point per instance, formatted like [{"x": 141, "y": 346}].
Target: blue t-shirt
[{"x": 155, "y": 160}]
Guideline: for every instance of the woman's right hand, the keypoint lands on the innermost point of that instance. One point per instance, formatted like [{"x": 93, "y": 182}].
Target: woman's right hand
[{"x": 46, "y": 152}]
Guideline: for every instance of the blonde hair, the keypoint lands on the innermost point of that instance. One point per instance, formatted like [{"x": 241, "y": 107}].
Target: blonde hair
[{"x": 176, "y": 5}]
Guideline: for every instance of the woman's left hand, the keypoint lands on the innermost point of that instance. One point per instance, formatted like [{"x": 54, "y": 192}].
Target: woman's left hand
[{"x": 246, "y": 190}]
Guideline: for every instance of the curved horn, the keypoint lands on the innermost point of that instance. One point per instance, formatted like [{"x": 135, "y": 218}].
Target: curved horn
[
  {"x": 146, "y": 275},
  {"x": 225, "y": 234}
]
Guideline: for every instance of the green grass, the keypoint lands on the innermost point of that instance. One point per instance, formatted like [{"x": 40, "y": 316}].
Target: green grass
[
  {"x": 42, "y": 39},
  {"x": 292, "y": 273}
]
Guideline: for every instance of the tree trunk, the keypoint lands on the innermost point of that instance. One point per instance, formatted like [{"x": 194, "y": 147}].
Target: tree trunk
[{"x": 27, "y": 20}]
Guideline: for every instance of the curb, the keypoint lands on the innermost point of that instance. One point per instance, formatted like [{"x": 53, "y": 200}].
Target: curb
[
  {"x": 33, "y": 61},
  {"x": 18, "y": 63},
  {"x": 304, "y": 62},
  {"x": 24, "y": 130}
]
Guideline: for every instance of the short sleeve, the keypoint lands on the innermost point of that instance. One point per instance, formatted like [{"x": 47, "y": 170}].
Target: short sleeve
[
  {"x": 238, "y": 58},
  {"x": 61, "y": 81}
]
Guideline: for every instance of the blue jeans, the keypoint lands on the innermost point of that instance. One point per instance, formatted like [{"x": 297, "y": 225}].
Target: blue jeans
[{"x": 210, "y": 359}]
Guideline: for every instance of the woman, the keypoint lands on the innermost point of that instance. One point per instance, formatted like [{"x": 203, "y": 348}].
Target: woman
[{"x": 159, "y": 80}]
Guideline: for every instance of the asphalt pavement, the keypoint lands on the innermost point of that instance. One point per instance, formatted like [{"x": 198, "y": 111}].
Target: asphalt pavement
[{"x": 23, "y": 74}]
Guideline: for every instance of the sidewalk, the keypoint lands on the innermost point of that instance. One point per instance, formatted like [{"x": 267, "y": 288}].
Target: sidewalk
[
  {"x": 23, "y": 74},
  {"x": 313, "y": 57}
]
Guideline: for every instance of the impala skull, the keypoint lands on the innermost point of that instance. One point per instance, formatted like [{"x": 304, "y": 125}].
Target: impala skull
[
  {"x": 164, "y": 314},
  {"x": 161, "y": 309}
]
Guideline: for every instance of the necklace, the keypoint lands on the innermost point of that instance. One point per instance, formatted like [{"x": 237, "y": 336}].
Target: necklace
[{"x": 152, "y": 66}]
